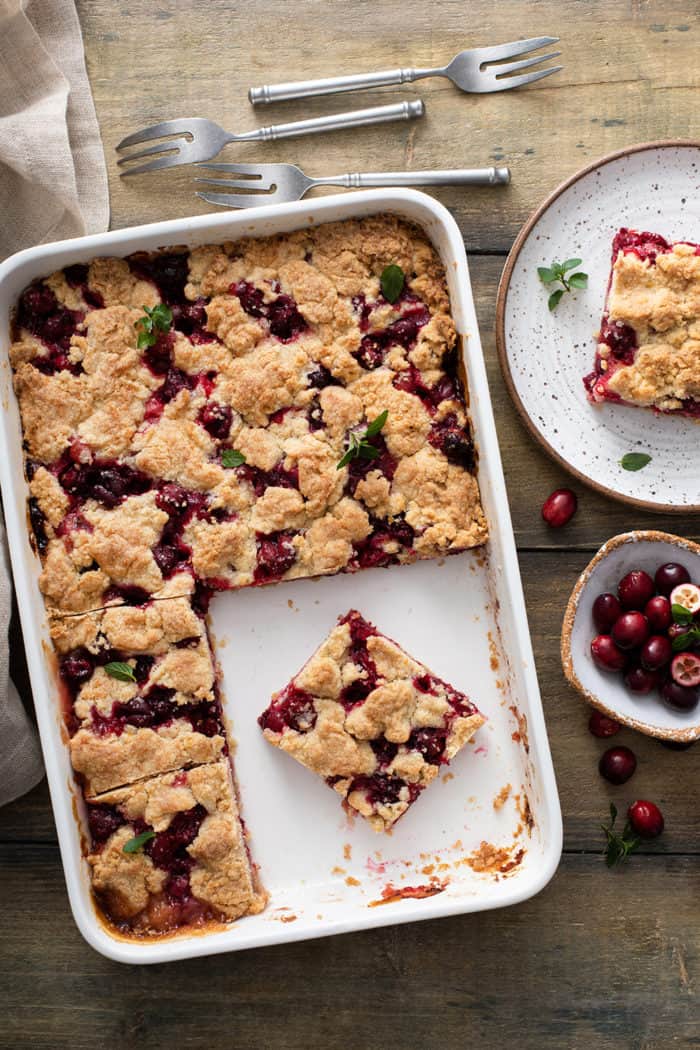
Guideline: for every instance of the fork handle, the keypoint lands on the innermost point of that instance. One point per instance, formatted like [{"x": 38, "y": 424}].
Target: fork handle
[
  {"x": 335, "y": 85},
  {"x": 336, "y": 122},
  {"x": 453, "y": 177}
]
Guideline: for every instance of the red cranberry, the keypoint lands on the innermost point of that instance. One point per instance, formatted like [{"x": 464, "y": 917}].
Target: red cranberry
[
  {"x": 606, "y": 654},
  {"x": 559, "y": 508},
  {"x": 617, "y": 764},
  {"x": 103, "y": 821},
  {"x": 656, "y": 652},
  {"x": 602, "y": 726},
  {"x": 76, "y": 668},
  {"x": 606, "y": 609},
  {"x": 646, "y": 819},
  {"x": 635, "y": 589},
  {"x": 681, "y": 697},
  {"x": 685, "y": 669},
  {"x": 658, "y": 612},
  {"x": 630, "y": 630},
  {"x": 216, "y": 419},
  {"x": 639, "y": 680},
  {"x": 669, "y": 576}
]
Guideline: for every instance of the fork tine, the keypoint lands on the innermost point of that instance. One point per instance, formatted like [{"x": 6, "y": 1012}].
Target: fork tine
[
  {"x": 235, "y": 200},
  {"x": 513, "y": 67},
  {"x": 161, "y": 147},
  {"x": 240, "y": 184},
  {"x": 238, "y": 169},
  {"x": 155, "y": 131},
  {"x": 153, "y": 165},
  {"x": 506, "y": 83},
  {"x": 516, "y": 47}
]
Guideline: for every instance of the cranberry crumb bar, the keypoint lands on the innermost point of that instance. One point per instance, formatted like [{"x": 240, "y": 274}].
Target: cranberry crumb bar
[
  {"x": 170, "y": 851},
  {"x": 223, "y": 417},
  {"x": 374, "y": 723},
  {"x": 648, "y": 351}
]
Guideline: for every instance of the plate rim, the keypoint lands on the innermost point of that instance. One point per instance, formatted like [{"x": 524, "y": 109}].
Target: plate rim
[{"x": 501, "y": 299}]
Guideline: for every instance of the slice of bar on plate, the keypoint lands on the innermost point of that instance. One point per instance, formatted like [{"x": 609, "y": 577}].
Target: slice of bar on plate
[
  {"x": 170, "y": 851},
  {"x": 648, "y": 352},
  {"x": 372, "y": 721}
]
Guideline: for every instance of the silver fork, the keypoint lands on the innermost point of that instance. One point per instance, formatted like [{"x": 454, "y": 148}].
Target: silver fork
[
  {"x": 199, "y": 139},
  {"x": 276, "y": 183},
  {"x": 465, "y": 71}
]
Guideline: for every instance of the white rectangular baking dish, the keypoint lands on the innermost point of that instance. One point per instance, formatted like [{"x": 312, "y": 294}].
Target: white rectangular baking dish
[{"x": 465, "y": 617}]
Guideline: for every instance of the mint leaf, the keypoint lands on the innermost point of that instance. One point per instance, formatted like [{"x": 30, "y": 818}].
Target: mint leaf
[
  {"x": 161, "y": 316},
  {"x": 618, "y": 847},
  {"x": 121, "y": 671},
  {"x": 570, "y": 264},
  {"x": 231, "y": 457},
  {"x": 392, "y": 282},
  {"x": 546, "y": 274},
  {"x": 554, "y": 298},
  {"x": 135, "y": 844},
  {"x": 376, "y": 425},
  {"x": 556, "y": 273},
  {"x": 634, "y": 460},
  {"x": 578, "y": 280},
  {"x": 684, "y": 641},
  {"x": 158, "y": 317},
  {"x": 681, "y": 614}
]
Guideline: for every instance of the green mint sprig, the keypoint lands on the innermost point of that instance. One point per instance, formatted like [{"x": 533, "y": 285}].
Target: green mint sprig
[
  {"x": 136, "y": 844},
  {"x": 156, "y": 319},
  {"x": 359, "y": 446},
  {"x": 618, "y": 847},
  {"x": 231, "y": 457},
  {"x": 121, "y": 671},
  {"x": 392, "y": 282},
  {"x": 684, "y": 618},
  {"x": 556, "y": 273},
  {"x": 635, "y": 460}
]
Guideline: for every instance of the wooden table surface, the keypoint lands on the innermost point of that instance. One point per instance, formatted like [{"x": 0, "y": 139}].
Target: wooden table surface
[{"x": 599, "y": 959}]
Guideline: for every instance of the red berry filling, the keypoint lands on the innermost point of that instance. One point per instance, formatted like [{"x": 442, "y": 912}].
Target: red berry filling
[
  {"x": 293, "y": 708},
  {"x": 77, "y": 277},
  {"x": 39, "y": 313},
  {"x": 216, "y": 419},
  {"x": 282, "y": 315},
  {"x": 278, "y": 477},
  {"x": 402, "y": 332},
  {"x": 381, "y": 789},
  {"x": 454, "y": 441},
  {"x": 646, "y": 245},
  {"x": 103, "y": 821},
  {"x": 372, "y": 553},
  {"x": 168, "y": 271},
  {"x": 37, "y": 521},
  {"x": 155, "y": 709},
  {"x": 104, "y": 480},
  {"x": 276, "y": 555}
]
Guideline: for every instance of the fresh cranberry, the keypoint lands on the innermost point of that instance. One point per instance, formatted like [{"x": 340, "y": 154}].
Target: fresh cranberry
[
  {"x": 680, "y": 697},
  {"x": 685, "y": 669},
  {"x": 658, "y": 612},
  {"x": 646, "y": 819},
  {"x": 606, "y": 654},
  {"x": 656, "y": 652},
  {"x": 639, "y": 680},
  {"x": 630, "y": 630},
  {"x": 103, "y": 821},
  {"x": 559, "y": 508},
  {"x": 676, "y": 630},
  {"x": 606, "y": 610},
  {"x": 669, "y": 576},
  {"x": 617, "y": 764},
  {"x": 635, "y": 589},
  {"x": 602, "y": 726}
]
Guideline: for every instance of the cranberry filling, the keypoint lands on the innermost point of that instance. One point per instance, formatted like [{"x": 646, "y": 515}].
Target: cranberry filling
[
  {"x": 158, "y": 358},
  {"x": 39, "y": 312},
  {"x": 103, "y": 821},
  {"x": 359, "y": 468},
  {"x": 355, "y": 693},
  {"x": 181, "y": 505},
  {"x": 293, "y": 708},
  {"x": 430, "y": 743},
  {"x": 402, "y": 332},
  {"x": 382, "y": 790},
  {"x": 455, "y": 443},
  {"x": 276, "y": 555},
  {"x": 278, "y": 477},
  {"x": 38, "y": 523},
  {"x": 168, "y": 849},
  {"x": 168, "y": 271},
  {"x": 371, "y": 552},
  {"x": 104, "y": 480},
  {"x": 645, "y": 245},
  {"x": 282, "y": 315},
  {"x": 385, "y": 750},
  {"x": 216, "y": 419},
  {"x": 321, "y": 377},
  {"x": 128, "y": 593},
  {"x": 364, "y": 309},
  {"x": 191, "y": 320},
  {"x": 77, "y": 667},
  {"x": 154, "y": 709},
  {"x": 77, "y": 277},
  {"x": 621, "y": 338}
]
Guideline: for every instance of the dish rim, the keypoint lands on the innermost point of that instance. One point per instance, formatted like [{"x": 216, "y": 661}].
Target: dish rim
[
  {"x": 685, "y": 735},
  {"x": 501, "y": 300},
  {"x": 211, "y": 226}
]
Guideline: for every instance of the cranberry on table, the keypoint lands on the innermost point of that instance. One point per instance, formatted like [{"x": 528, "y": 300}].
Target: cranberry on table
[
  {"x": 646, "y": 819},
  {"x": 680, "y": 697},
  {"x": 640, "y": 681},
  {"x": 656, "y": 652},
  {"x": 617, "y": 764},
  {"x": 602, "y": 726},
  {"x": 606, "y": 654},
  {"x": 630, "y": 630},
  {"x": 635, "y": 589},
  {"x": 606, "y": 609},
  {"x": 658, "y": 612},
  {"x": 559, "y": 508},
  {"x": 669, "y": 576}
]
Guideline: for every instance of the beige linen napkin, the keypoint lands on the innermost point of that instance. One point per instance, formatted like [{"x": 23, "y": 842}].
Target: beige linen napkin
[{"x": 53, "y": 184}]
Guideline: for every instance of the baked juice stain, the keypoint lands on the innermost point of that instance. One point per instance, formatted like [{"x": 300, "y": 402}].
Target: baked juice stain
[
  {"x": 495, "y": 860},
  {"x": 391, "y": 893}
]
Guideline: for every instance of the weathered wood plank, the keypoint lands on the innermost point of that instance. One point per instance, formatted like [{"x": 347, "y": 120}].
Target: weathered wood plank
[
  {"x": 630, "y": 74},
  {"x": 671, "y": 778},
  {"x": 620, "y": 970}
]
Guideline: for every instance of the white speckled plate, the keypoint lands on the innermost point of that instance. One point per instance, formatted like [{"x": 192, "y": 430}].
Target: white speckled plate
[{"x": 544, "y": 355}]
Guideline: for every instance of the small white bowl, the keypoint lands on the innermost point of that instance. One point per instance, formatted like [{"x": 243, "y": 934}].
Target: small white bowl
[{"x": 606, "y": 690}]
